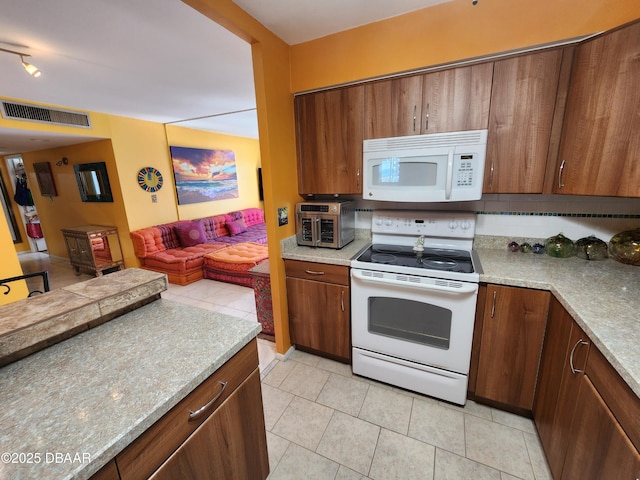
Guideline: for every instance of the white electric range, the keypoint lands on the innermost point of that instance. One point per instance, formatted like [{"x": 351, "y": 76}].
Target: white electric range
[{"x": 413, "y": 301}]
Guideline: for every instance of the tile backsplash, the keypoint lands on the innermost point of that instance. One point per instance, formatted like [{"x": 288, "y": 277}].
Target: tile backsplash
[{"x": 534, "y": 216}]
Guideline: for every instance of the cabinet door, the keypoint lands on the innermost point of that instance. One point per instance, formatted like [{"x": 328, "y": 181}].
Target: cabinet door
[
  {"x": 457, "y": 99},
  {"x": 523, "y": 98},
  {"x": 512, "y": 336},
  {"x": 108, "y": 472},
  {"x": 393, "y": 108},
  {"x": 554, "y": 355},
  {"x": 555, "y": 434},
  {"x": 600, "y": 141},
  {"x": 319, "y": 317},
  {"x": 330, "y": 135},
  {"x": 599, "y": 448},
  {"x": 231, "y": 443}
]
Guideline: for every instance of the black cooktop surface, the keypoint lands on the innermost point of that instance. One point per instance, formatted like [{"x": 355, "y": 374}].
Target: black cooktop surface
[{"x": 430, "y": 258}]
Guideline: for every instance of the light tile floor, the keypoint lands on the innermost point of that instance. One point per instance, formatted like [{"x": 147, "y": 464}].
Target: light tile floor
[{"x": 323, "y": 422}]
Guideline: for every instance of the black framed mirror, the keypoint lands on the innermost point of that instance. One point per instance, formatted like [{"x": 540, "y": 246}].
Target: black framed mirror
[{"x": 93, "y": 182}]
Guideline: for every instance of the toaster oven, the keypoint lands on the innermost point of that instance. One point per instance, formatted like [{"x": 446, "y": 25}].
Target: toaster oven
[{"x": 325, "y": 224}]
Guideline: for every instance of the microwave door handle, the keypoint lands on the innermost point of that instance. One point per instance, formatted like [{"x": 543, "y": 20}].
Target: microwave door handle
[{"x": 449, "y": 182}]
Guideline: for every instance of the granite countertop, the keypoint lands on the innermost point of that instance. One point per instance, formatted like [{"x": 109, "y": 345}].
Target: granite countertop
[
  {"x": 292, "y": 251},
  {"x": 601, "y": 296},
  {"x": 90, "y": 396}
]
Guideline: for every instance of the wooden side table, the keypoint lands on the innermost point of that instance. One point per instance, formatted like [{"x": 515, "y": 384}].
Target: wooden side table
[{"x": 95, "y": 248}]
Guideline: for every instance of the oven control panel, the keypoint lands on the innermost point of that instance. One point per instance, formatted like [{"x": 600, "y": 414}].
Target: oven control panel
[{"x": 428, "y": 224}]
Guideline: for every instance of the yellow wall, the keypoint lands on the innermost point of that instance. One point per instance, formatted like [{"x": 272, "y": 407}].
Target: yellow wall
[
  {"x": 10, "y": 267},
  {"x": 10, "y": 184},
  {"x": 247, "y": 155},
  {"x": 138, "y": 144},
  {"x": 67, "y": 208},
  {"x": 271, "y": 66},
  {"x": 447, "y": 32}
]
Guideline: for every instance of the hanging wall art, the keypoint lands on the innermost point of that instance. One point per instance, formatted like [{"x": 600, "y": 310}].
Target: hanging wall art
[
  {"x": 204, "y": 175},
  {"x": 45, "y": 179}
]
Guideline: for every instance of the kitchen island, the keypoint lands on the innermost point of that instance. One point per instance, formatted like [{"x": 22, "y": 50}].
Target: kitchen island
[{"x": 71, "y": 408}]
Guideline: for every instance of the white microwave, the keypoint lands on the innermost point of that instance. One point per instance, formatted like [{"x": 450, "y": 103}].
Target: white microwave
[{"x": 437, "y": 167}]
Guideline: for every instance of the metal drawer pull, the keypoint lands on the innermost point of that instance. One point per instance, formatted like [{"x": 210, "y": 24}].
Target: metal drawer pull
[
  {"x": 311, "y": 272},
  {"x": 342, "y": 300},
  {"x": 573, "y": 350},
  {"x": 193, "y": 415}
]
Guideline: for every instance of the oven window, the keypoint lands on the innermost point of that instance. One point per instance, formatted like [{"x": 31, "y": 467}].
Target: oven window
[{"x": 409, "y": 320}]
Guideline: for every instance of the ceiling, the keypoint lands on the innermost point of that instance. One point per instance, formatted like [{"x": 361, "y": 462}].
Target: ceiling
[{"x": 159, "y": 61}]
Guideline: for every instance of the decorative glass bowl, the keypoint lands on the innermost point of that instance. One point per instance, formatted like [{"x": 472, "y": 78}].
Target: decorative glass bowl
[
  {"x": 591, "y": 248},
  {"x": 625, "y": 247},
  {"x": 559, "y": 246}
]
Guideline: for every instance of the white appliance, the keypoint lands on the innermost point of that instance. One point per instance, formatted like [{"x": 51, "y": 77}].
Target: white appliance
[
  {"x": 438, "y": 167},
  {"x": 413, "y": 301}
]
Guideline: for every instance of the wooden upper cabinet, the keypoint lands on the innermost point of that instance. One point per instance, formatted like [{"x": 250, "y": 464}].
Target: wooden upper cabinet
[
  {"x": 330, "y": 135},
  {"x": 600, "y": 140},
  {"x": 393, "y": 108},
  {"x": 523, "y": 99},
  {"x": 444, "y": 101},
  {"x": 457, "y": 99}
]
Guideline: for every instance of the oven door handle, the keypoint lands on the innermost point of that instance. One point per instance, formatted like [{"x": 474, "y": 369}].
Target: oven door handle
[{"x": 464, "y": 287}]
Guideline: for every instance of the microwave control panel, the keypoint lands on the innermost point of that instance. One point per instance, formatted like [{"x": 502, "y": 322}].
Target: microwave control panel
[{"x": 465, "y": 171}]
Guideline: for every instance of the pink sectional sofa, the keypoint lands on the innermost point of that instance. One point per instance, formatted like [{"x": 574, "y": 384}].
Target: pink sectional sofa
[{"x": 178, "y": 248}]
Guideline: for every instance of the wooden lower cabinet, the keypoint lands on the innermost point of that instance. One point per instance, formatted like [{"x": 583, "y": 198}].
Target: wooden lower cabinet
[
  {"x": 227, "y": 439},
  {"x": 512, "y": 334},
  {"x": 587, "y": 417},
  {"x": 599, "y": 447},
  {"x": 562, "y": 366},
  {"x": 231, "y": 443},
  {"x": 318, "y": 297},
  {"x": 108, "y": 472}
]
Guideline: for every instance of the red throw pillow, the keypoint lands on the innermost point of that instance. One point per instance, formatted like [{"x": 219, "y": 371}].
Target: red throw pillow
[
  {"x": 236, "y": 227},
  {"x": 190, "y": 233}
]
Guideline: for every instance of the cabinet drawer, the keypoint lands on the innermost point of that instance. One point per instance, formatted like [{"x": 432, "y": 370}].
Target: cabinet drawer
[
  {"x": 140, "y": 459},
  {"x": 321, "y": 272},
  {"x": 620, "y": 399}
]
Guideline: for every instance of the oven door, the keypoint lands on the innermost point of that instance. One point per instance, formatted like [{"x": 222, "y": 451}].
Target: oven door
[{"x": 424, "y": 320}]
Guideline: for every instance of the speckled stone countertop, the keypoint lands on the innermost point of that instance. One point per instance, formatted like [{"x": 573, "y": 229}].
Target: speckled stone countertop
[
  {"x": 36, "y": 322},
  {"x": 93, "y": 394},
  {"x": 290, "y": 250},
  {"x": 602, "y": 296}
]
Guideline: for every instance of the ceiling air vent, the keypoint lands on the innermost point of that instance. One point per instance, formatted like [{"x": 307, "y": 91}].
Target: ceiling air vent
[{"x": 34, "y": 113}]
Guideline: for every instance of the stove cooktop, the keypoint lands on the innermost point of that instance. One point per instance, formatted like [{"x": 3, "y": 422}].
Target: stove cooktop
[{"x": 441, "y": 259}]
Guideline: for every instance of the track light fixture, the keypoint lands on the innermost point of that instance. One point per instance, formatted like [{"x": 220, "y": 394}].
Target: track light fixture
[{"x": 31, "y": 69}]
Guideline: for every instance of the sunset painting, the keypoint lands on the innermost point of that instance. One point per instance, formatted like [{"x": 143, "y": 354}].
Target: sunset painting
[{"x": 204, "y": 175}]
